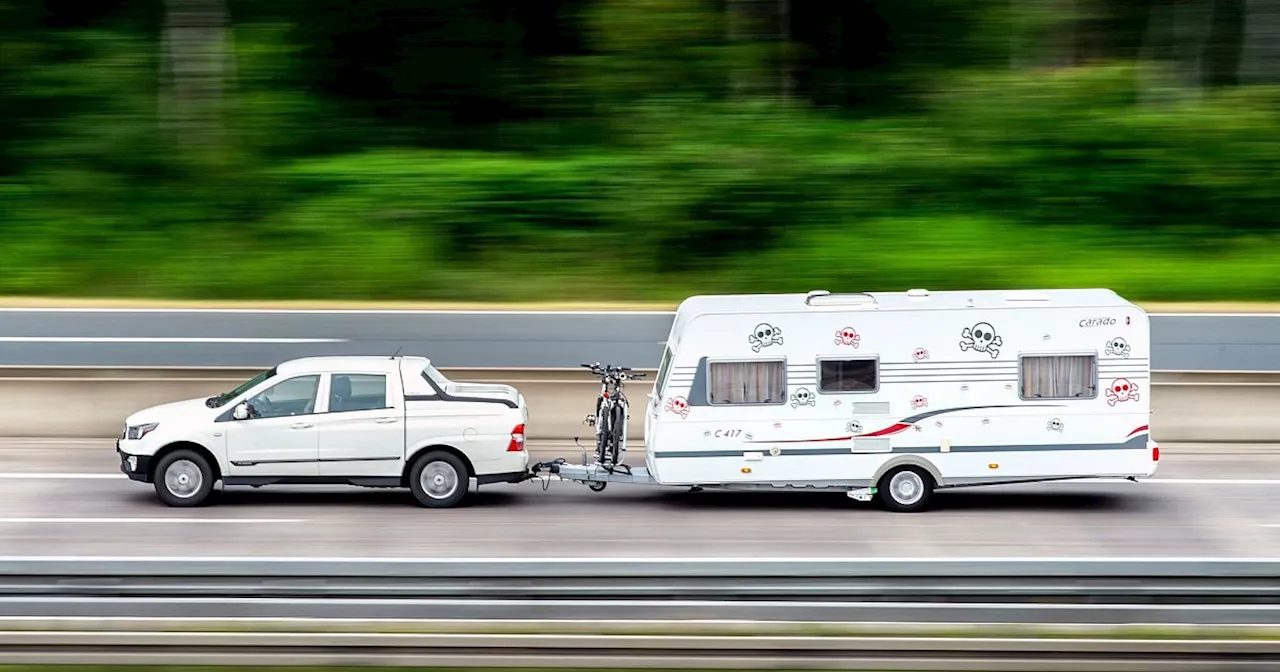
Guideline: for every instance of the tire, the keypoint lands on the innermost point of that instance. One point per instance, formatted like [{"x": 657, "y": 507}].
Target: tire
[
  {"x": 447, "y": 481},
  {"x": 604, "y": 427},
  {"x": 617, "y": 425},
  {"x": 906, "y": 489},
  {"x": 184, "y": 478}
]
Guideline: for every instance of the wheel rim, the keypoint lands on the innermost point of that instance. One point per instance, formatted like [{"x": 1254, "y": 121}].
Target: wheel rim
[
  {"x": 439, "y": 480},
  {"x": 183, "y": 479},
  {"x": 906, "y": 487}
]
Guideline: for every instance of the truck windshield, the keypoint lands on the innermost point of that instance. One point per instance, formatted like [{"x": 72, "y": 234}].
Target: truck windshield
[{"x": 221, "y": 399}]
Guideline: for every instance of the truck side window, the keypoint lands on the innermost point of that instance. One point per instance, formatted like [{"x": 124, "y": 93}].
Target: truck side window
[
  {"x": 848, "y": 375},
  {"x": 1058, "y": 377},
  {"x": 748, "y": 382},
  {"x": 295, "y": 396},
  {"x": 357, "y": 392}
]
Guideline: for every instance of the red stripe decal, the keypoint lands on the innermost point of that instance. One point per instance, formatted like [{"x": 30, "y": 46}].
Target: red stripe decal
[
  {"x": 892, "y": 429},
  {"x": 1139, "y": 430}
]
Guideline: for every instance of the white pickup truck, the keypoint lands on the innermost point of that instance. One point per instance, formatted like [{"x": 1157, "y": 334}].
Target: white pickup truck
[{"x": 365, "y": 421}]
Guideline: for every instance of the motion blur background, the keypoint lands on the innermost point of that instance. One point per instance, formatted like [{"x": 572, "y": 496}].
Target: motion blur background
[{"x": 637, "y": 149}]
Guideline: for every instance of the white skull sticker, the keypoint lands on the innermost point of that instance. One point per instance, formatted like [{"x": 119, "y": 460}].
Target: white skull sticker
[
  {"x": 981, "y": 338},
  {"x": 803, "y": 397},
  {"x": 920, "y": 354},
  {"x": 848, "y": 336},
  {"x": 854, "y": 427},
  {"x": 919, "y": 401},
  {"x": 679, "y": 406},
  {"x": 764, "y": 336},
  {"x": 1121, "y": 390},
  {"x": 1118, "y": 347},
  {"x": 1055, "y": 425}
]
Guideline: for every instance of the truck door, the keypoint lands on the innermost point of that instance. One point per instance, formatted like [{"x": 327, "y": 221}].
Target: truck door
[{"x": 362, "y": 426}]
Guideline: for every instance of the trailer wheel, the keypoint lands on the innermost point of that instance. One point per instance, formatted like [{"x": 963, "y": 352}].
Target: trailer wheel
[
  {"x": 906, "y": 489},
  {"x": 596, "y": 486}
]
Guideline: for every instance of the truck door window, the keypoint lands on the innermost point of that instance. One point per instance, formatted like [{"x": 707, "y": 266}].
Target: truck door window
[
  {"x": 357, "y": 392},
  {"x": 295, "y": 396}
]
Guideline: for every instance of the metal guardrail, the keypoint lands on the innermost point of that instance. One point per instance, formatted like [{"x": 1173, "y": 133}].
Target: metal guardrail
[
  {"x": 256, "y": 600},
  {"x": 724, "y": 653},
  {"x": 1150, "y": 579}
]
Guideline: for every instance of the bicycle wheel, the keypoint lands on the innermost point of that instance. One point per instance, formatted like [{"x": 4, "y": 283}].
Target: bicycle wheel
[
  {"x": 617, "y": 425},
  {"x": 603, "y": 432}
]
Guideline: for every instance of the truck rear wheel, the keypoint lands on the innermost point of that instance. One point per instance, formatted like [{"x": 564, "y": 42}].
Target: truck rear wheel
[
  {"x": 439, "y": 480},
  {"x": 906, "y": 489},
  {"x": 184, "y": 478}
]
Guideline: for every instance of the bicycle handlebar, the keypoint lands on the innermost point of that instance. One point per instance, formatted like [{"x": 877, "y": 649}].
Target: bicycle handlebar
[{"x": 609, "y": 370}]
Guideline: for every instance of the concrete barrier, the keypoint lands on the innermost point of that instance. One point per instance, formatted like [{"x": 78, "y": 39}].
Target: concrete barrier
[{"x": 93, "y": 403}]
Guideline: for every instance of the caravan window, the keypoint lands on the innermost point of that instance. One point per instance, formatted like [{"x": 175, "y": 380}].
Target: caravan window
[
  {"x": 747, "y": 382},
  {"x": 663, "y": 368},
  {"x": 1059, "y": 376},
  {"x": 848, "y": 375}
]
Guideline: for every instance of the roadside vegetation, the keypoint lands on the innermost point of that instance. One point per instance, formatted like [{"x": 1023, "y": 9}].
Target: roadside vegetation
[{"x": 630, "y": 150}]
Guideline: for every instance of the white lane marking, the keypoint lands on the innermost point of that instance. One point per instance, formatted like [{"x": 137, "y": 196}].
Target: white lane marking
[
  {"x": 159, "y": 339},
  {"x": 230, "y": 521},
  {"x": 59, "y": 476},
  {"x": 36, "y": 475}
]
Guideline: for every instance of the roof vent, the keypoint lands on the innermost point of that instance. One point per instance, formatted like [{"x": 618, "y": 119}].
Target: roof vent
[
  {"x": 1025, "y": 295},
  {"x": 917, "y": 293},
  {"x": 825, "y": 298}
]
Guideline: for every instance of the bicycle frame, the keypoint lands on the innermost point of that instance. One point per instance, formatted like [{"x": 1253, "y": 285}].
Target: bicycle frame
[{"x": 612, "y": 414}]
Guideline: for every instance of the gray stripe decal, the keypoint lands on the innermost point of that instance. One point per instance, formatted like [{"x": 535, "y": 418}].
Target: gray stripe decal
[{"x": 1132, "y": 444}]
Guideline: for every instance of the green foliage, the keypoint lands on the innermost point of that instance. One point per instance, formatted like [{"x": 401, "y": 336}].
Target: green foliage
[{"x": 625, "y": 167}]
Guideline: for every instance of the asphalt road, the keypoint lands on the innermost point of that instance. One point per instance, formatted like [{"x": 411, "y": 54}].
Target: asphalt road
[
  {"x": 227, "y": 338},
  {"x": 67, "y": 498}
]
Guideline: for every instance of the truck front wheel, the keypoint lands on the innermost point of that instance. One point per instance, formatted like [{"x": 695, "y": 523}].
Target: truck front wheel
[
  {"x": 439, "y": 480},
  {"x": 184, "y": 478}
]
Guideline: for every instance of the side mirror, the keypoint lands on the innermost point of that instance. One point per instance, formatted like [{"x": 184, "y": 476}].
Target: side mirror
[{"x": 241, "y": 411}]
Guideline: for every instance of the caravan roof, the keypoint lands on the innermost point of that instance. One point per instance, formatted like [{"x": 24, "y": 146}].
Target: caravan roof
[{"x": 915, "y": 299}]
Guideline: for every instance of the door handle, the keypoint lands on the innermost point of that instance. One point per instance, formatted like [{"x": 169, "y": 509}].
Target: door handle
[
  {"x": 300, "y": 425},
  {"x": 385, "y": 421}
]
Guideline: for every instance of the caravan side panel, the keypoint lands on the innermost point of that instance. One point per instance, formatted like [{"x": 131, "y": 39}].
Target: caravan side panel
[{"x": 838, "y": 397}]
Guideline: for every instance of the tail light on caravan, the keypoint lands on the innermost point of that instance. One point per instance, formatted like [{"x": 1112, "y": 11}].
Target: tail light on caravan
[{"x": 517, "y": 439}]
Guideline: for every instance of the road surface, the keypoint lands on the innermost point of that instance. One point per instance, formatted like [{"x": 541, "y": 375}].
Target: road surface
[
  {"x": 67, "y": 498},
  {"x": 511, "y": 339}
]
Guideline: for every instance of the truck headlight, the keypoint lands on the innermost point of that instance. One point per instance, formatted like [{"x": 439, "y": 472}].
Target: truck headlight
[{"x": 138, "y": 431}]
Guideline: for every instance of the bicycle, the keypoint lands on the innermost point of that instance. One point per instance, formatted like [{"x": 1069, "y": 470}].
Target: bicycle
[{"x": 610, "y": 418}]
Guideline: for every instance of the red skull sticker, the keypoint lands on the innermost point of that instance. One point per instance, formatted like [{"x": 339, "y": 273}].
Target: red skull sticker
[
  {"x": 919, "y": 401},
  {"x": 848, "y": 336},
  {"x": 679, "y": 406},
  {"x": 1121, "y": 389}
]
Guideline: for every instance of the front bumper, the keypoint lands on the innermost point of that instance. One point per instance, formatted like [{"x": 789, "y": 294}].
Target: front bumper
[{"x": 136, "y": 467}]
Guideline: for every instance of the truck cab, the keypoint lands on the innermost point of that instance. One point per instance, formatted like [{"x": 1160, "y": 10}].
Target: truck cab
[{"x": 364, "y": 421}]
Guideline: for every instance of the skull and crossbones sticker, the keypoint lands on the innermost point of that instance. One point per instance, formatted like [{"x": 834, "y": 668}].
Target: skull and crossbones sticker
[
  {"x": 981, "y": 338},
  {"x": 679, "y": 406},
  {"x": 1118, "y": 347},
  {"x": 764, "y": 336},
  {"x": 1055, "y": 425},
  {"x": 803, "y": 397},
  {"x": 919, "y": 354},
  {"x": 919, "y": 401},
  {"x": 853, "y": 427},
  {"x": 848, "y": 336},
  {"x": 1121, "y": 390}
]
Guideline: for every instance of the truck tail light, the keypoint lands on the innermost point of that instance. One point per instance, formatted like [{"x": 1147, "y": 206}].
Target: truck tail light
[
  {"x": 517, "y": 439},
  {"x": 1155, "y": 453}
]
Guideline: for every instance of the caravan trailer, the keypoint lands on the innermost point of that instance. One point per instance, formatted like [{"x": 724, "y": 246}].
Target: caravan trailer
[{"x": 897, "y": 394}]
